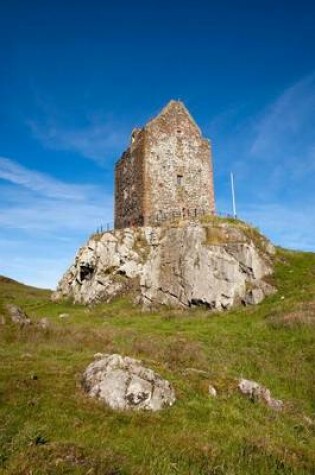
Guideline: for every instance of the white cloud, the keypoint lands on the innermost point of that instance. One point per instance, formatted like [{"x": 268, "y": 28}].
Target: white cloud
[
  {"x": 37, "y": 201},
  {"x": 287, "y": 124},
  {"x": 49, "y": 216},
  {"x": 43, "y": 221},
  {"x": 273, "y": 157},
  {"x": 274, "y": 146},
  {"x": 40, "y": 183},
  {"x": 101, "y": 142},
  {"x": 286, "y": 225}
]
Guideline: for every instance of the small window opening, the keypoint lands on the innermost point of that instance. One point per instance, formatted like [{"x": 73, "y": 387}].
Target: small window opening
[{"x": 179, "y": 180}]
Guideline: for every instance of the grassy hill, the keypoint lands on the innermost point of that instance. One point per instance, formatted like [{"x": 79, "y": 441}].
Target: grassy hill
[{"x": 49, "y": 426}]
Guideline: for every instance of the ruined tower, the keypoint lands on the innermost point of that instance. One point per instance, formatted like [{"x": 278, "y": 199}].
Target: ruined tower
[{"x": 165, "y": 172}]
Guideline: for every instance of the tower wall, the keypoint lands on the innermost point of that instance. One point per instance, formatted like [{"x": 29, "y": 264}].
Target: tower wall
[
  {"x": 129, "y": 184},
  {"x": 166, "y": 171},
  {"x": 178, "y": 167}
]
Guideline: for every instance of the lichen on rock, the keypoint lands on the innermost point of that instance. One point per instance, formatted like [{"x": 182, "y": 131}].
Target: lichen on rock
[{"x": 124, "y": 384}]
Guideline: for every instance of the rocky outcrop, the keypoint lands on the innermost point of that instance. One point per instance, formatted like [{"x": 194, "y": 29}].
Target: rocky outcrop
[
  {"x": 123, "y": 383},
  {"x": 212, "y": 264}
]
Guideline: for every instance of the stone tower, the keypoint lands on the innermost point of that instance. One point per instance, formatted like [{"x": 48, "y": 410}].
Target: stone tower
[{"x": 165, "y": 172}]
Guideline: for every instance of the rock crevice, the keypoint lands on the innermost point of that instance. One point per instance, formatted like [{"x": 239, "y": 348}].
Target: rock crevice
[{"x": 123, "y": 383}]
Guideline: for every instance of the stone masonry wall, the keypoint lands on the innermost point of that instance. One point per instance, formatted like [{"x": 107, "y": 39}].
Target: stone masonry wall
[
  {"x": 167, "y": 169},
  {"x": 129, "y": 184},
  {"x": 178, "y": 173}
]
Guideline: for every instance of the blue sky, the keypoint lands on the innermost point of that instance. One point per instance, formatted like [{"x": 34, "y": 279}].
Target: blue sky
[{"x": 77, "y": 76}]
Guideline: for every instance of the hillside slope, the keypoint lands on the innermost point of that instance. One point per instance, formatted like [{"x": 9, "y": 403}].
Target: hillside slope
[{"x": 49, "y": 426}]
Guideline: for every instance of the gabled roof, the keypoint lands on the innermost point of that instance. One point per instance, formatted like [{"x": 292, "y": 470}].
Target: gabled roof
[{"x": 176, "y": 105}]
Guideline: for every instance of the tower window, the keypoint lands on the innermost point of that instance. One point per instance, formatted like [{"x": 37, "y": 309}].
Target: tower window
[{"x": 179, "y": 180}]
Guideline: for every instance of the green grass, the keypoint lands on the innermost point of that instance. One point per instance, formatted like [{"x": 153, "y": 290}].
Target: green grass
[{"x": 41, "y": 398}]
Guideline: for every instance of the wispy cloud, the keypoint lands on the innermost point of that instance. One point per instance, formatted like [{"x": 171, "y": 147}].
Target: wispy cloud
[
  {"x": 40, "y": 183},
  {"x": 284, "y": 143},
  {"x": 98, "y": 141},
  {"x": 36, "y": 201},
  {"x": 279, "y": 141},
  {"x": 272, "y": 155},
  {"x": 51, "y": 217},
  {"x": 288, "y": 123},
  {"x": 43, "y": 221},
  {"x": 287, "y": 225}
]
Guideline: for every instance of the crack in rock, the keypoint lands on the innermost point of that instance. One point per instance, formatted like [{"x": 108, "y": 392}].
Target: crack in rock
[{"x": 167, "y": 274}]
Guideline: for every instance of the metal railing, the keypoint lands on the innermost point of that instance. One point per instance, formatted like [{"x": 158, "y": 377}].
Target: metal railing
[
  {"x": 104, "y": 228},
  {"x": 176, "y": 213},
  {"x": 160, "y": 217}
]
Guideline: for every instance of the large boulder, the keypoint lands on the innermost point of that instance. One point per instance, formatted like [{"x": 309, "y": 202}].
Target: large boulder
[
  {"x": 213, "y": 264},
  {"x": 123, "y": 383}
]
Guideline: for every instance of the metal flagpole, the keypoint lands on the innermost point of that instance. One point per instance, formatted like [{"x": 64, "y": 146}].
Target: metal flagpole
[{"x": 233, "y": 195}]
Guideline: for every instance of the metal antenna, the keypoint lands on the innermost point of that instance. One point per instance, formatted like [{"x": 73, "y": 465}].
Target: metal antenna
[{"x": 233, "y": 195}]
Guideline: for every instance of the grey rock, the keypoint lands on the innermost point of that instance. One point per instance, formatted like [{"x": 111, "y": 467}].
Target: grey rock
[
  {"x": 180, "y": 266},
  {"x": 17, "y": 315},
  {"x": 270, "y": 248},
  {"x": 63, "y": 315},
  {"x": 212, "y": 391},
  {"x": 124, "y": 384},
  {"x": 257, "y": 392},
  {"x": 129, "y": 269},
  {"x": 258, "y": 293},
  {"x": 308, "y": 421},
  {"x": 44, "y": 323},
  {"x": 254, "y": 296}
]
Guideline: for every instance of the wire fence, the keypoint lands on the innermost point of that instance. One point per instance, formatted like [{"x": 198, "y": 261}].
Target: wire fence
[
  {"x": 106, "y": 227},
  {"x": 177, "y": 213},
  {"x": 160, "y": 217}
]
